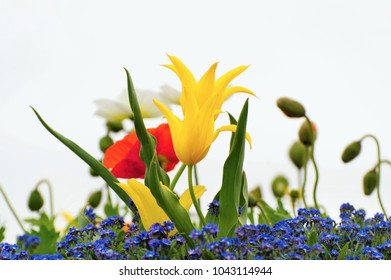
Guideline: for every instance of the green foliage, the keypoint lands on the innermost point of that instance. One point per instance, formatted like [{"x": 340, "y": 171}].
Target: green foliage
[
  {"x": 271, "y": 216},
  {"x": 43, "y": 227},
  {"x": 231, "y": 189}
]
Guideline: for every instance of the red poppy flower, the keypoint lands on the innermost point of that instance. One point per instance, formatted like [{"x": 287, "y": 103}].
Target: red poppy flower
[{"x": 123, "y": 157}]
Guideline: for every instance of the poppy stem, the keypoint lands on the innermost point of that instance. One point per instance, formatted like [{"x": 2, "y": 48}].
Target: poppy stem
[
  {"x": 11, "y": 208},
  {"x": 177, "y": 176},
  {"x": 379, "y": 161},
  {"x": 304, "y": 178},
  {"x": 193, "y": 197},
  {"x": 49, "y": 185},
  {"x": 312, "y": 156}
]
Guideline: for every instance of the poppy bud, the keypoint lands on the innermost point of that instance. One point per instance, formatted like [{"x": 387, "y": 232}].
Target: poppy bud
[
  {"x": 254, "y": 196},
  {"x": 35, "y": 201},
  {"x": 305, "y": 134},
  {"x": 105, "y": 143},
  {"x": 114, "y": 126},
  {"x": 280, "y": 186},
  {"x": 294, "y": 194},
  {"x": 351, "y": 151},
  {"x": 370, "y": 182},
  {"x": 291, "y": 108},
  {"x": 297, "y": 154},
  {"x": 95, "y": 199}
]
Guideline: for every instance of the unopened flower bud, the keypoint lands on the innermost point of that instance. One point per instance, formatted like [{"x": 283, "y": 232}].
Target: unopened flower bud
[
  {"x": 294, "y": 194},
  {"x": 297, "y": 154},
  {"x": 307, "y": 135},
  {"x": 351, "y": 151},
  {"x": 280, "y": 186},
  {"x": 35, "y": 201},
  {"x": 94, "y": 199},
  {"x": 291, "y": 108},
  {"x": 114, "y": 126},
  {"x": 105, "y": 143},
  {"x": 370, "y": 182},
  {"x": 254, "y": 196}
]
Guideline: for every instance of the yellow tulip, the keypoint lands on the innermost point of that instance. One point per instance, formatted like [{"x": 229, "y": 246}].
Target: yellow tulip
[
  {"x": 201, "y": 104},
  {"x": 149, "y": 210}
]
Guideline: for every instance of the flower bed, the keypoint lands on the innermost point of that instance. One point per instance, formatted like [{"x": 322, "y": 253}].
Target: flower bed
[
  {"x": 238, "y": 223},
  {"x": 307, "y": 236}
]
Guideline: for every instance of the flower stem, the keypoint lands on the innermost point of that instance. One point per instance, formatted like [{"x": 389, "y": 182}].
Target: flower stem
[
  {"x": 312, "y": 152},
  {"x": 193, "y": 197},
  {"x": 379, "y": 161},
  {"x": 263, "y": 214},
  {"x": 11, "y": 208},
  {"x": 304, "y": 178},
  {"x": 177, "y": 176},
  {"x": 49, "y": 185}
]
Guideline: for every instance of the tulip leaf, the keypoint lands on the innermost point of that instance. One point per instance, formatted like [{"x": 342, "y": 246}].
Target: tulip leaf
[
  {"x": 243, "y": 200},
  {"x": 169, "y": 202},
  {"x": 87, "y": 158},
  {"x": 148, "y": 142},
  {"x": 231, "y": 189}
]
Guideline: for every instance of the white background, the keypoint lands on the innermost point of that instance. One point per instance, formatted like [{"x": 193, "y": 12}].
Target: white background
[{"x": 60, "y": 56}]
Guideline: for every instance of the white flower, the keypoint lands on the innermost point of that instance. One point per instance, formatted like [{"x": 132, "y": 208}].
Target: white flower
[{"x": 119, "y": 109}]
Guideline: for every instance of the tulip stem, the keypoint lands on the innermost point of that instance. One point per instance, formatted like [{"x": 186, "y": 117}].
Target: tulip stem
[
  {"x": 11, "y": 208},
  {"x": 49, "y": 185},
  {"x": 379, "y": 161},
  {"x": 177, "y": 176},
  {"x": 193, "y": 197},
  {"x": 312, "y": 152}
]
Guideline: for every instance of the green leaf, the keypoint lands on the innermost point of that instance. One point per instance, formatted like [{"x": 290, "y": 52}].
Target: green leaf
[
  {"x": 90, "y": 160},
  {"x": 46, "y": 232},
  {"x": 230, "y": 192},
  {"x": 148, "y": 142},
  {"x": 169, "y": 202},
  {"x": 244, "y": 200},
  {"x": 343, "y": 251},
  {"x": 111, "y": 210},
  {"x": 272, "y": 216}
]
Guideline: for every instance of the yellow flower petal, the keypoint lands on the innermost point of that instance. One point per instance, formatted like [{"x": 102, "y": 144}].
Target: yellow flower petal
[
  {"x": 231, "y": 128},
  {"x": 225, "y": 79},
  {"x": 146, "y": 204},
  {"x": 232, "y": 90},
  {"x": 206, "y": 85},
  {"x": 185, "y": 199}
]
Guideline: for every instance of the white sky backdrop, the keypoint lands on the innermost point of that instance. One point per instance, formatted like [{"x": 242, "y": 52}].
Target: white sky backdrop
[{"x": 59, "y": 56}]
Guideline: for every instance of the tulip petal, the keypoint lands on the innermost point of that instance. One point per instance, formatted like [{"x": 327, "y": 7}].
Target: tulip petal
[
  {"x": 206, "y": 85},
  {"x": 146, "y": 204},
  {"x": 231, "y": 128},
  {"x": 225, "y": 79},
  {"x": 232, "y": 90},
  {"x": 183, "y": 73},
  {"x": 186, "y": 200}
]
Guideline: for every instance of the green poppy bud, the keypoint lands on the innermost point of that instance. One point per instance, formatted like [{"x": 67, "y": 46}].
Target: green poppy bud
[
  {"x": 291, "y": 108},
  {"x": 254, "y": 196},
  {"x": 280, "y": 186},
  {"x": 305, "y": 134},
  {"x": 95, "y": 199},
  {"x": 93, "y": 173},
  {"x": 351, "y": 151},
  {"x": 294, "y": 194},
  {"x": 35, "y": 201},
  {"x": 297, "y": 154},
  {"x": 114, "y": 126},
  {"x": 105, "y": 143},
  {"x": 370, "y": 182}
]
